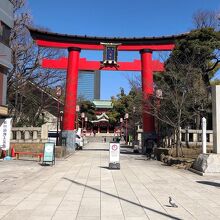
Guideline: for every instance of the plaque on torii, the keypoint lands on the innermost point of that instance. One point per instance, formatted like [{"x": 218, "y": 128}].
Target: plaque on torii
[{"x": 110, "y": 54}]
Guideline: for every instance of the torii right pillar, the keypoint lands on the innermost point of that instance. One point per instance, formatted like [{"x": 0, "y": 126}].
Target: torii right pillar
[{"x": 147, "y": 90}]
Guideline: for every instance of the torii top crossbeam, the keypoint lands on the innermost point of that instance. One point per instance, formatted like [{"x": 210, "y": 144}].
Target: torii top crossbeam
[{"x": 49, "y": 39}]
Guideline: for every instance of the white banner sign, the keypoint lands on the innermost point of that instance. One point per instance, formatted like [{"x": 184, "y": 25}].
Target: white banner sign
[
  {"x": 114, "y": 153},
  {"x": 5, "y": 131},
  {"x": 204, "y": 135}
]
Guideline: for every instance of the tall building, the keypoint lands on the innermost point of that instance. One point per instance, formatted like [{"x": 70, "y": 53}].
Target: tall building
[
  {"x": 6, "y": 23},
  {"x": 89, "y": 85}
]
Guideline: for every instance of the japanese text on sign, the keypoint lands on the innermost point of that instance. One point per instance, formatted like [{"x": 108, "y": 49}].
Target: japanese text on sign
[{"x": 5, "y": 130}]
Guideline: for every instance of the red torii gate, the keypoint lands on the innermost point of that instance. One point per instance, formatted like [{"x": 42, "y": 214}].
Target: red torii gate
[{"x": 76, "y": 43}]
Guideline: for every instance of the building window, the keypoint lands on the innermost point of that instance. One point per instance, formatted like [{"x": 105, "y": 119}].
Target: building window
[{"x": 4, "y": 33}]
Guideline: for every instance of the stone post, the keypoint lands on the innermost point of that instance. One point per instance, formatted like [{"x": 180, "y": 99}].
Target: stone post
[
  {"x": 18, "y": 135},
  {"x": 34, "y": 135},
  {"x": 44, "y": 133},
  {"x": 26, "y": 135},
  {"x": 204, "y": 135},
  {"x": 211, "y": 138},
  {"x": 187, "y": 136},
  {"x": 195, "y": 137}
]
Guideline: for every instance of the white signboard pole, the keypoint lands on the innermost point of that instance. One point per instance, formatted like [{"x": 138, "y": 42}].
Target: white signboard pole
[
  {"x": 204, "y": 135},
  {"x": 5, "y": 132},
  {"x": 114, "y": 155}
]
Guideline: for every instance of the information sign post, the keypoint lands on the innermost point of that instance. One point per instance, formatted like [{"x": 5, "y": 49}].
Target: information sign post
[
  {"x": 114, "y": 155},
  {"x": 49, "y": 153}
]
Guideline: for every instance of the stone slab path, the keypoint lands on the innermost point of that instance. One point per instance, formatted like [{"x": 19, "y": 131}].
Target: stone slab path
[{"x": 82, "y": 187}]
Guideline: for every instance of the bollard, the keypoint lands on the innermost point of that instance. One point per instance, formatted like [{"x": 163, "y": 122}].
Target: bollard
[{"x": 12, "y": 152}]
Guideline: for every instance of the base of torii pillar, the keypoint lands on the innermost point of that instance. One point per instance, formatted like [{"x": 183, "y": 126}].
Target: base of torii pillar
[
  {"x": 68, "y": 139},
  {"x": 148, "y": 139},
  {"x": 209, "y": 164}
]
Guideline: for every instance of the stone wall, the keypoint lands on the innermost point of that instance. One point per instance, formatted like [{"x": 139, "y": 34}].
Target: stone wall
[{"x": 29, "y": 134}]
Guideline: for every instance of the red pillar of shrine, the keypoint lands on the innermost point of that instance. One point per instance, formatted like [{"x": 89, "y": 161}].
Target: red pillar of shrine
[
  {"x": 147, "y": 88},
  {"x": 71, "y": 89}
]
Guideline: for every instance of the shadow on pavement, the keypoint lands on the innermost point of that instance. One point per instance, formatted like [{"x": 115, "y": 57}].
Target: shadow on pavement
[
  {"x": 95, "y": 149},
  {"x": 169, "y": 206},
  {"x": 128, "y": 152},
  {"x": 145, "y": 159},
  {"x": 126, "y": 146},
  {"x": 45, "y": 164},
  {"x": 27, "y": 159},
  {"x": 104, "y": 167},
  {"x": 104, "y": 149},
  {"x": 126, "y": 200},
  {"x": 209, "y": 183}
]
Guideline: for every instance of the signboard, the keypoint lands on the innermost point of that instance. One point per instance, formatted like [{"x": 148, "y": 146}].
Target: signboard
[
  {"x": 110, "y": 54},
  {"x": 5, "y": 131},
  {"x": 49, "y": 152},
  {"x": 114, "y": 155}
]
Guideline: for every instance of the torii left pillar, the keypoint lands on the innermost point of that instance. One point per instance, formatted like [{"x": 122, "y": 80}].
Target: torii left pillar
[
  {"x": 147, "y": 90},
  {"x": 71, "y": 97}
]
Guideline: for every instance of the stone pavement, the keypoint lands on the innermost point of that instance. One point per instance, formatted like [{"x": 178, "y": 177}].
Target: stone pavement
[{"x": 82, "y": 187}]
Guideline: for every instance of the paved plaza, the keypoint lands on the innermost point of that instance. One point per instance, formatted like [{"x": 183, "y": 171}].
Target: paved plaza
[{"x": 82, "y": 187}]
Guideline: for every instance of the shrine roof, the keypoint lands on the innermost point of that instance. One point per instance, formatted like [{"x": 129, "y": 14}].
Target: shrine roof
[
  {"x": 101, "y": 118},
  {"x": 103, "y": 104},
  {"x": 103, "y": 115},
  {"x": 84, "y": 39}
]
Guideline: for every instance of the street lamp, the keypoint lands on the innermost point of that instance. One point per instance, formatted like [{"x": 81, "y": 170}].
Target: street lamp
[
  {"x": 86, "y": 120},
  {"x": 77, "y": 112},
  {"x": 121, "y": 121},
  {"x": 159, "y": 96},
  {"x": 58, "y": 94},
  {"x": 126, "y": 127},
  {"x": 61, "y": 120},
  {"x": 134, "y": 111},
  {"x": 82, "y": 117}
]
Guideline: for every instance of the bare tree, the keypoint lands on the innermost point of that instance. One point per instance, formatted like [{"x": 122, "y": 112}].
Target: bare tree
[
  {"x": 26, "y": 60},
  {"x": 206, "y": 18}
]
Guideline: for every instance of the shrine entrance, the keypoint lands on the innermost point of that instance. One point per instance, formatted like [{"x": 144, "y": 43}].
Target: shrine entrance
[{"x": 110, "y": 46}]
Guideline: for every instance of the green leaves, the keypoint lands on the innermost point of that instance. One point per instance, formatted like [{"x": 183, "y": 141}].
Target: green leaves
[
  {"x": 200, "y": 49},
  {"x": 88, "y": 108}
]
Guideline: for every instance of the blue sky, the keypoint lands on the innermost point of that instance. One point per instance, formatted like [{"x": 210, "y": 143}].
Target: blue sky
[{"x": 125, "y": 18}]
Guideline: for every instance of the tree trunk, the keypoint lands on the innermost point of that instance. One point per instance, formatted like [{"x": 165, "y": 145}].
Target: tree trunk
[
  {"x": 177, "y": 141},
  {"x": 198, "y": 122}
]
